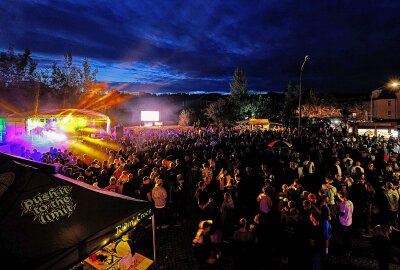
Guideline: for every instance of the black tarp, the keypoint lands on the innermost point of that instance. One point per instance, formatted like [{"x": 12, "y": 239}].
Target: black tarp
[{"x": 53, "y": 222}]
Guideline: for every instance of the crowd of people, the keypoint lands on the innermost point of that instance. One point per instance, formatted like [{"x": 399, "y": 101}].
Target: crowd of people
[{"x": 252, "y": 201}]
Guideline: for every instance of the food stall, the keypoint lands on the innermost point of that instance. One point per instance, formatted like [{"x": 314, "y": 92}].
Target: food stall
[
  {"x": 107, "y": 259},
  {"x": 380, "y": 129}
]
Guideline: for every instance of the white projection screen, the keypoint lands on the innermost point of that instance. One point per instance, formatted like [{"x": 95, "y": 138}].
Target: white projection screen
[{"x": 147, "y": 116}]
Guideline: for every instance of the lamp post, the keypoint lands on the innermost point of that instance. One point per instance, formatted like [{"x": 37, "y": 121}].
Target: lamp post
[
  {"x": 371, "y": 107},
  {"x": 306, "y": 58}
]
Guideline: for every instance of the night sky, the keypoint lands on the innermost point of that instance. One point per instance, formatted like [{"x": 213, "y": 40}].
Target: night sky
[{"x": 162, "y": 46}]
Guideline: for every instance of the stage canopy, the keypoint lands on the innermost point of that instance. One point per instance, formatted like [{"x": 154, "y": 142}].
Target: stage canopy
[
  {"x": 52, "y": 222},
  {"x": 69, "y": 120}
]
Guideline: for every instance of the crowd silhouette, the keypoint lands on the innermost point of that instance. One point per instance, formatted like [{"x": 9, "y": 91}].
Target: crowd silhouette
[{"x": 251, "y": 201}]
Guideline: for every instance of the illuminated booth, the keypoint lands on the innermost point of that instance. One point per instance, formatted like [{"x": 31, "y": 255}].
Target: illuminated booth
[
  {"x": 49, "y": 221},
  {"x": 380, "y": 129},
  {"x": 259, "y": 123}
]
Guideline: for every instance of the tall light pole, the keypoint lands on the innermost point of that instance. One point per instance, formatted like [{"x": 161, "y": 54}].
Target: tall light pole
[
  {"x": 371, "y": 105},
  {"x": 306, "y": 58}
]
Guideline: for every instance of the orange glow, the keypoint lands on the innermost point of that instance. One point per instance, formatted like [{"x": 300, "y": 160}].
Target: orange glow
[
  {"x": 113, "y": 99},
  {"x": 99, "y": 142},
  {"x": 395, "y": 84},
  {"x": 95, "y": 99},
  {"x": 95, "y": 90},
  {"x": 9, "y": 107},
  {"x": 83, "y": 148}
]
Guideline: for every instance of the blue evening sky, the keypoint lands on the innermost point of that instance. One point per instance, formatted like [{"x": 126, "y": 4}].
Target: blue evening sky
[{"x": 188, "y": 46}]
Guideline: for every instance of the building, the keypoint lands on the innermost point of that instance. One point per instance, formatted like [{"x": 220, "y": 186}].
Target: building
[{"x": 385, "y": 104}]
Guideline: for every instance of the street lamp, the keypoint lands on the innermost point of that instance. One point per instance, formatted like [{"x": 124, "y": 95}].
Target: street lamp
[{"x": 306, "y": 58}]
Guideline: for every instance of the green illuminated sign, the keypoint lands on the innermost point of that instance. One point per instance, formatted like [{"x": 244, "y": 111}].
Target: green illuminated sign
[
  {"x": 123, "y": 227},
  {"x": 50, "y": 206},
  {"x": 2, "y": 125}
]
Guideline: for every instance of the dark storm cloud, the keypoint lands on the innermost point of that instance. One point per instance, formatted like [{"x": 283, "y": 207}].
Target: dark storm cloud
[{"x": 196, "y": 45}]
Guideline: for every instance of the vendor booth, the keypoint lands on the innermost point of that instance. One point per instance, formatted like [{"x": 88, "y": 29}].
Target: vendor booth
[
  {"x": 380, "y": 129},
  {"x": 48, "y": 221},
  {"x": 258, "y": 123}
]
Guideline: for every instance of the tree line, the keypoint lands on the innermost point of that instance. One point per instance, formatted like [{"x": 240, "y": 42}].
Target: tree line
[{"x": 29, "y": 88}]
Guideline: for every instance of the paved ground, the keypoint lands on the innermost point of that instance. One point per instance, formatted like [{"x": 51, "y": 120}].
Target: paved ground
[{"x": 175, "y": 252}]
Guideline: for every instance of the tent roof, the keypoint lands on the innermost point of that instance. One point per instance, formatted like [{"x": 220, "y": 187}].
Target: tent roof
[{"x": 53, "y": 222}]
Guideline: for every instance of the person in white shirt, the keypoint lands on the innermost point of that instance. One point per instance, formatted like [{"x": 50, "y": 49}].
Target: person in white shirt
[
  {"x": 159, "y": 196},
  {"x": 348, "y": 158},
  {"x": 357, "y": 169},
  {"x": 309, "y": 165}
]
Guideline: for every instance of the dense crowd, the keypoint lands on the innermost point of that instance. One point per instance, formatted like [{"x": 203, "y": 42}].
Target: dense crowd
[{"x": 256, "y": 201}]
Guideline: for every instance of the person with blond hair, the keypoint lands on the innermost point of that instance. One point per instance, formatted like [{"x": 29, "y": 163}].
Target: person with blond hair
[
  {"x": 202, "y": 245},
  {"x": 159, "y": 196}
]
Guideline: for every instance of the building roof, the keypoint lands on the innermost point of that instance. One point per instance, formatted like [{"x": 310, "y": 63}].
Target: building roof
[{"x": 387, "y": 94}]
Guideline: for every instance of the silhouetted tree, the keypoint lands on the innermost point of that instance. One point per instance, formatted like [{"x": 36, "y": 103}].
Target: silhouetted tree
[
  {"x": 239, "y": 94},
  {"x": 185, "y": 117},
  {"x": 17, "y": 68},
  {"x": 238, "y": 85},
  {"x": 220, "y": 112},
  {"x": 88, "y": 77},
  {"x": 291, "y": 104}
]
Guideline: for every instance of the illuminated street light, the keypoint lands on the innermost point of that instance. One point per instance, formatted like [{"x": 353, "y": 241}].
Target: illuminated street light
[{"x": 394, "y": 84}]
